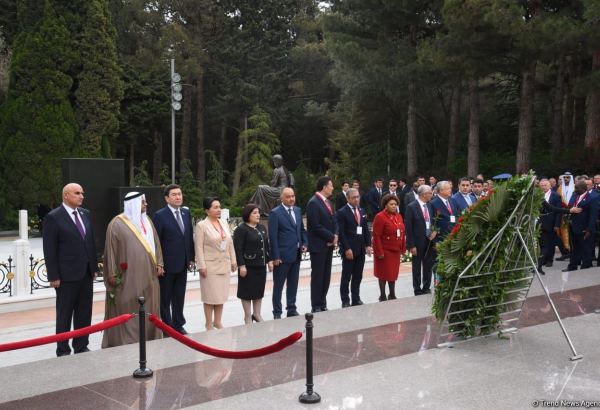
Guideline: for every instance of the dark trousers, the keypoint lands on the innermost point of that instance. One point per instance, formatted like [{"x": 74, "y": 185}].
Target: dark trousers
[
  {"x": 561, "y": 246},
  {"x": 74, "y": 304},
  {"x": 352, "y": 273},
  {"x": 320, "y": 276},
  {"x": 581, "y": 252},
  {"x": 282, "y": 274},
  {"x": 422, "y": 264},
  {"x": 172, "y": 298},
  {"x": 547, "y": 241}
]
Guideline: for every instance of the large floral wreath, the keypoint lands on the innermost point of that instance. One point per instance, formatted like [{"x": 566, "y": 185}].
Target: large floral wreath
[{"x": 484, "y": 296}]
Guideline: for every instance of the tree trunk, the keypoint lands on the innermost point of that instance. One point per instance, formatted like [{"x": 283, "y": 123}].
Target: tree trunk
[
  {"x": 557, "y": 106},
  {"x": 131, "y": 165},
  {"x": 157, "y": 157},
  {"x": 592, "y": 131},
  {"x": 454, "y": 124},
  {"x": 411, "y": 125},
  {"x": 473, "y": 153},
  {"x": 526, "y": 119},
  {"x": 201, "y": 167},
  {"x": 223, "y": 145},
  {"x": 237, "y": 171},
  {"x": 186, "y": 131},
  {"x": 568, "y": 118}
]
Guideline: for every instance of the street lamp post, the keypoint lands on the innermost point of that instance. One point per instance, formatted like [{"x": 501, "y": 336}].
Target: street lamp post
[{"x": 175, "y": 106}]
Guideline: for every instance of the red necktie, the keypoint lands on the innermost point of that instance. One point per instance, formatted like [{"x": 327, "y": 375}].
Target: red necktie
[
  {"x": 448, "y": 206},
  {"x": 425, "y": 213},
  {"x": 356, "y": 216}
]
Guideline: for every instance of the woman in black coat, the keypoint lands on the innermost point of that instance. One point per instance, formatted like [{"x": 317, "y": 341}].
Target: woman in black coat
[{"x": 251, "y": 244}]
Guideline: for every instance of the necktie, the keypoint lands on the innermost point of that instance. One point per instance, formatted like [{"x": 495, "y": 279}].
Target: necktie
[
  {"x": 179, "y": 221},
  {"x": 448, "y": 206},
  {"x": 468, "y": 199},
  {"x": 425, "y": 213},
  {"x": 356, "y": 215},
  {"x": 291, "y": 215},
  {"x": 78, "y": 224}
]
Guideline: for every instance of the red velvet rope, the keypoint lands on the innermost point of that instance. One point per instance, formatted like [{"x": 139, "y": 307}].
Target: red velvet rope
[
  {"x": 226, "y": 354},
  {"x": 84, "y": 331}
]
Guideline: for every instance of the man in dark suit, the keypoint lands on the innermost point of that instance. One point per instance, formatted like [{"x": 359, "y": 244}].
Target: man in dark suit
[
  {"x": 445, "y": 212},
  {"x": 374, "y": 197},
  {"x": 583, "y": 227},
  {"x": 173, "y": 225},
  {"x": 392, "y": 188},
  {"x": 464, "y": 198},
  {"x": 71, "y": 264},
  {"x": 419, "y": 239},
  {"x": 322, "y": 239},
  {"x": 341, "y": 198},
  {"x": 287, "y": 237},
  {"x": 550, "y": 223},
  {"x": 355, "y": 242}
]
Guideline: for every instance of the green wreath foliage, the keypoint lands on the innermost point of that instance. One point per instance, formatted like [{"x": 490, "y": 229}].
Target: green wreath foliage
[{"x": 497, "y": 263}]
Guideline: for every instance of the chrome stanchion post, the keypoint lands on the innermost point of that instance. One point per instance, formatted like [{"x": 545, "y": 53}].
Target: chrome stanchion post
[
  {"x": 309, "y": 396},
  {"x": 143, "y": 371}
]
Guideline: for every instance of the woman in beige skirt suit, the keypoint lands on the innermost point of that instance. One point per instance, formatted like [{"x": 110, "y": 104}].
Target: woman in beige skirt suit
[{"x": 215, "y": 258}]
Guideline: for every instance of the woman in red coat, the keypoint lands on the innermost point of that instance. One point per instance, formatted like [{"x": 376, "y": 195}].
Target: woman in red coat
[{"x": 388, "y": 245}]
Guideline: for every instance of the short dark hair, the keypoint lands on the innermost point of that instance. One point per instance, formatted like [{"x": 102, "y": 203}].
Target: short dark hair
[
  {"x": 322, "y": 182},
  {"x": 387, "y": 198},
  {"x": 420, "y": 177},
  {"x": 478, "y": 181},
  {"x": 248, "y": 209},
  {"x": 356, "y": 180},
  {"x": 344, "y": 183},
  {"x": 403, "y": 180},
  {"x": 207, "y": 202},
  {"x": 169, "y": 188},
  {"x": 463, "y": 179},
  {"x": 378, "y": 179}
]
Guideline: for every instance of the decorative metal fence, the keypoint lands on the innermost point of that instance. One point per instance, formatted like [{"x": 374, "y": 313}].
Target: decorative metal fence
[
  {"x": 38, "y": 275},
  {"x": 6, "y": 276}
]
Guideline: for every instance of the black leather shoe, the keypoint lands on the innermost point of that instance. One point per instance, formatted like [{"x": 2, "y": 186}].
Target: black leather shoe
[
  {"x": 418, "y": 292},
  {"x": 382, "y": 298},
  {"x": 316, "y": 310},
  {"x": 63, "y": 354},
  {"x": 182, "y": 331},
  {"x": 391, "y": 297},
  {"x": 358, "y": 303},
  {"x": 541, "y": 271},
  {"x": 84, "y": 350},
  {"x": 563, "y": 258},
  {"x": 345, "y": 304},
  {"x": 324, "y": 309},
  {"x": 568, "y": 270},
  {"x": 425, "y": 291},
  {"x": 549, "y": 264},
  {"x": 276, "y": 315},
  {"x": 294, "y": 313}
]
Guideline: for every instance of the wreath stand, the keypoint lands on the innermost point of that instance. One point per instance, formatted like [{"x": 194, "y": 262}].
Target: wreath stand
[{"x": 522, "y": 229}]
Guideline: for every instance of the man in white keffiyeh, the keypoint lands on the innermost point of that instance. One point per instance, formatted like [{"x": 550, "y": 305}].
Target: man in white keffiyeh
[{"x": 132, "y": 263}]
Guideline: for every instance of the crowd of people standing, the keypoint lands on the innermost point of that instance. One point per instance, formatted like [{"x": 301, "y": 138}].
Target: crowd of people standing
[{"x": 150, "y": 257}]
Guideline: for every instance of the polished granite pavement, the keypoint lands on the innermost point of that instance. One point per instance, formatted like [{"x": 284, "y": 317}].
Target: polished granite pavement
[{"x": 380, "y": 355}]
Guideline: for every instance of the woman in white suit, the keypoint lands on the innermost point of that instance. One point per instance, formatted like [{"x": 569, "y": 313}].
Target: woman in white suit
[{"x": 215, "y": 258}]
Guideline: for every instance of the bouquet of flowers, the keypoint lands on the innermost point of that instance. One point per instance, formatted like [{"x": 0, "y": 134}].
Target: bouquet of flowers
[{"x": 118, "y": 275}]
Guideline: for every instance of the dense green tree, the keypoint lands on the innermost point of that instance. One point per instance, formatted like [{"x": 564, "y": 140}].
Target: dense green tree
[
  {"x": 37, "y": 123},
  {"x": 100, "y": 88}
]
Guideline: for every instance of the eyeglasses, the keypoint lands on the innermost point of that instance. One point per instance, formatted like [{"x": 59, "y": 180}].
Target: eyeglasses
[{"x": 394, "y": 185}]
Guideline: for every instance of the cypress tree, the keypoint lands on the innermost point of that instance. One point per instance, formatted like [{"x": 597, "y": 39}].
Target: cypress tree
[
  {"x": 37, "y": 123},
  {"x": 100, "y": 87}
]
